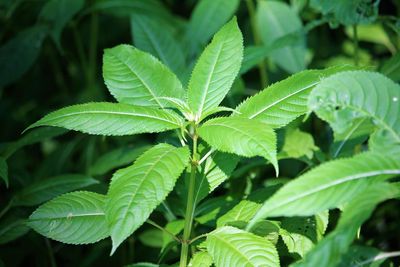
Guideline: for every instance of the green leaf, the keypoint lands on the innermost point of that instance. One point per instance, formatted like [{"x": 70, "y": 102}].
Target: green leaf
[
  {"x": 383, "y": 142},
  {"x": 201, "y": 259},
  {"x": 4, "y": 170},
  {"x": 137, "y": 190},
  {"x": 158, "y": 41},
  {"x": 19, "y": 53},
  {"x": 282, "y": 102},
  {"x": 297, "y": 144},
  {"x": 152, "y": 238},
  {"x": 137, "y": 78},
  {"x": 274, "y": 20},
  {"x": 242, "y": 212},
  {"x": 73, "y": 218},
  {"x": 57, "y": 13},
  {"x": 329, "y": 250},
  {"x": 118, "y": 157},
  {"x": 174, "y": 227},
  {"x": 246, "y": 137},
  {"x": 111, "y": 119},
  {"x": 345, "y": 97},
  {"x": 43, "y": 190},
  {"x": 216, "y": 69},
  {"x": 329, "y": 185},
  {"x": 230, "y": 246},
  {"x": 391, "y": 68},
  {"x": 11, "y": 229},
  {"x": 207, "y": 17},
  {"x": 358, "y": 254}
]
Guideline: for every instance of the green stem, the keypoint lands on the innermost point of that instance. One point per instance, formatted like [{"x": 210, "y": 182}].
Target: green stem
[
  {"x": 190, "y": 205},
  {"x": 163, "y": 230},
  {"x": 355, "y": 40},
  {"x": 257, "y": 41}
]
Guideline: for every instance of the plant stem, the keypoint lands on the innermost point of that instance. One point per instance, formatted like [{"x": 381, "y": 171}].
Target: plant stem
[
  {"x": 355, "y": 40},
  {"x": 190, "y": 205},
  {"x": 257, "y": 41},
  {"x": 164, "y": 230}
]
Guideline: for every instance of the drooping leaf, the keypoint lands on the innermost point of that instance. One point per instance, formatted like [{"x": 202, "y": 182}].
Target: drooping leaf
[
  {"x": 73, "y": 218},
  {"x": 276, "y": 19},
  {"x": 111, "y": 119},
  {"x": 44, "y": 190},
  {"x": 201, "y": 259},
  {"x": 229, "y": 246},
  {"x": 57, "y": 13},
  {"x": 246, "y": 137},
  {"x": 207, "y": 17},
  {"x": 18, "y": 54},
  {"x": 297, "y": 144},
  {"x": 329, "y": 185},
  {"x": 158, "y": 41},
  {"x": 138, "y": 78},
  {"x": 282, "y": 102},
  {"x": 11, "y": 229},
  {"x": 345, "y": 97},
  {"x": 137, "y": 190},
  {"x": 216, "y": 69},
  {"x": 4, "y": 170},
  {"x": 242, "y": 212},
  {"x": 329, "y": 250},
  {"x": 117, "y": 158}
]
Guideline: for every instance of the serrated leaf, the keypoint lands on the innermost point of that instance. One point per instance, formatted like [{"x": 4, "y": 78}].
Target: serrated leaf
[
  {"x": 138, "y": 78},
  {"x": 137, "y": 190},
  {"x": 246, "y": 137},
  {"x": 73, "y": 218},
  {"x": 44, "y": 190},
  {"x": 344, "y": 97},
  {"x": 207, "y": 17},
  {"x": 4, "y": 170},
  {"x": 329, "y": 250},
  {"x": 284, "y": 101},
  {"x": 201, "y": 259},
  {"x": 118, "y": 157},
  {"x": 111, "y": 119},
  {"x": 230, "y": 246},
  {"x": 12, "y": 229},
  {"x": 158, "y": 41},
  {"x": 242, "y": 212},
  {"x": 329, "y": 185},
  {"x": 216, "y": 69}
]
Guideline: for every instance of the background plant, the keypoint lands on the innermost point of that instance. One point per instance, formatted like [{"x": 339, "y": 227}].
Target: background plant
[{"x": 235, "y": 200}]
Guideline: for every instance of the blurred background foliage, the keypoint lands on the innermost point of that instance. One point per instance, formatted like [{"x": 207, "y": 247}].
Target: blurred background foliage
[{"x": 51, "y": 57}]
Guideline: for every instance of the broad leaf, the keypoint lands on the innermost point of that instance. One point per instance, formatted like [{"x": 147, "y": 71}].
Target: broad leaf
[
  {"x": 73, "y": 218},
  {"x": 138, "y": 78},
  {"x": 362, "y": 255},
  {"x": 345, "y": 97},
  {"x": 216, "y": 69},
  {"x": 207, "y": 17},
  {"x": 201, "y": 259},
  {"x": 246, "y": 137},
  {"x": 4, "y": 170},
  {"x": 329, "y": 250},
  {"x": 111, "y": 119},
  {"x": 282, "y": 102},
  {"x": 11, "y": 229},
  {"x": 329, "y": 185},
  {"x": 230, "y": 246},
  {"x": 242, "y": 212},
  {"x": 137, "y": 190},
  {"x": 158, "y": 41},
  {"x": 298, "y": 144},
  {"x": 276, "y": 19},
  {"x": 391, "y": 68},
  {"x": 44, "y": 190}
]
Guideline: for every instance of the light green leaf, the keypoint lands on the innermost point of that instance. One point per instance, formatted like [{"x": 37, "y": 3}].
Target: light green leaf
[
  {"x": 246, "y": 137},
  {"x": 329, "y": 185},
  {"x": 118, "y": 157},
  {"x": 201, "y": 259},
  {"x": 345, "y": 97},
  {"x": 282, "y": 102},
  {"x": 152, "y": 238},
  {"x": 11, "y": 229},
  {"x": 216, "y": 69},
  {"x": 329, "y": 250},
  {"x": 44, "y": 190},
  {"x": 242, "y": 212},
  {"x": 174, "y": 227},
  {"x": 230, "y": 246},
  {"x": 111, "y": 119},
  {"x": 297, "y": 144},
  {"x": 137, "y": 190},
  {"x": 137, "y": 78},
  {"x": 158, "y": 41},
  {"x": 276, "y": 19},
  {"x": 383, "y": 142},
  {"x": 4, "y": 170},
  {"x": 207, "y": 17},
  {"x": 73, "y": 218},
  {"x": 57, "y": 13}
]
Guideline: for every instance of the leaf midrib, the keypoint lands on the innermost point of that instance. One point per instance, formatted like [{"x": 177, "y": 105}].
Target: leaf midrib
[{"x": 68, "y": 217}]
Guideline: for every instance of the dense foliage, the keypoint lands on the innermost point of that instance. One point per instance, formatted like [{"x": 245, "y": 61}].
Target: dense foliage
[{"x": 200, "y": 133}]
